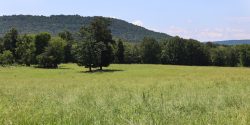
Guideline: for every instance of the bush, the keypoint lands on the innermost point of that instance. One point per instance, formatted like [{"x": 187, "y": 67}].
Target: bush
[
  {"x": 45, "y": 61},
  {"x": 6, "y": 58}
]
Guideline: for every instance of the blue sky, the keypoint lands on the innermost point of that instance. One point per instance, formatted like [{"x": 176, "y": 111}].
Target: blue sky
[{"x": 205, "y": 20}]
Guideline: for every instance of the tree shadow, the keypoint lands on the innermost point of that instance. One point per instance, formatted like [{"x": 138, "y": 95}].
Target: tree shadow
[
  {"x": 59, "y": 67},
  {"x": 64, "y": 68},
  {"x": 102, "y": 71},
  {"x": 38, "y": 67}
]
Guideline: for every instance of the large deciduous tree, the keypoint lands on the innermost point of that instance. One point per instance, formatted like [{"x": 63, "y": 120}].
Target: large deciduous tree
[
  {"x": 25, "y": 50},
  {"x": 53, "y": 54},
  {"x": 41, "y": 42},
  {"x": 10, "y": 39},
  {"x": 97, "y": 40},
  {"x": 87, "y": 54}
]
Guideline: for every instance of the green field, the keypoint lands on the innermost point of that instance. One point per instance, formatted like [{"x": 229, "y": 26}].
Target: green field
[{"x": 126, "y": 95}]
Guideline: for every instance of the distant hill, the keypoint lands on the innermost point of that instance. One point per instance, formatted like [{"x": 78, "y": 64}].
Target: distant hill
[
  {"x": 233, "y": 42},
  {"x": 57, "y": 23}
]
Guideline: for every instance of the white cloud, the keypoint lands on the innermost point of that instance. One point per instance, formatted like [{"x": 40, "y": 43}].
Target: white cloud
[
  {"x": 209, "y": 34},
  {"x": 177, "y": 31},
  {"x": 114, "y": 17},
  {"x": 242, "y": 19},
  {"x": 138, "y": 23}
]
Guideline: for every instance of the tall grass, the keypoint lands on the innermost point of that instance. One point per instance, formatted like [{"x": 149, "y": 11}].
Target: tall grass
[{"x": 126, "y": 95}]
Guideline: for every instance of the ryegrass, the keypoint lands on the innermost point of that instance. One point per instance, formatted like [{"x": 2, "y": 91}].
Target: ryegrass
[{"x": 125, "y": 94}]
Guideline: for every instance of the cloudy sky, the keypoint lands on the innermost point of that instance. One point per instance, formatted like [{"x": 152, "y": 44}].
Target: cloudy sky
[{"x": 205, "y": 20}]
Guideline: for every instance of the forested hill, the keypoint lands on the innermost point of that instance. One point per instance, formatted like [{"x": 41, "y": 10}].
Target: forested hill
[
  {"x": 57, "y": 23},
  {"x": 233, "y": 42}
]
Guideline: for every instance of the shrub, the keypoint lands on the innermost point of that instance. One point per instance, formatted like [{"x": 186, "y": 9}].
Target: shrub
[{"x": 6, "y": 58}]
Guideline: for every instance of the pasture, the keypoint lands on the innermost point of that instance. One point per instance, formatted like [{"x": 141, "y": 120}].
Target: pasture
[{"x": 125, "y": 95}]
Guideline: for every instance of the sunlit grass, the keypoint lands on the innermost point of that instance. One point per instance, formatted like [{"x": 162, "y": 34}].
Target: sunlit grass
[{"x": 126, "y": 94}]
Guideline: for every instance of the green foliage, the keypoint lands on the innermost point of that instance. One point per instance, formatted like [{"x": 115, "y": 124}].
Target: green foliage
[
  {"x": 224, "y": 56},
  {"x": 244, "y": 51},
  {"x": 41, "y": 42},
  {"x": 120, "y": 52},
  {"x": 68, "y": 37},
  {"x": 173, "y": 51},
  {"x": 132, "y": 53},
  {"x": 97, "y": 42},
  {"x": 218, "y": 56},
  {"x": 25, "y": 50},
  {"x": 53, "y": 54},
  {"x": 87, "y": 54},
  {"x": 57, "y": 23},
  {"x": 232, "y": 56},
  {"x": 10, "y": 39},
  {"x": 196, "y": 53},
  {"x": 184, "y": 52},
  {"x": 6, "y": 58},
  {"x": 100, "y": 32},
  {"x": 150, "y": 50},
  {"x": 1, "y": 45}
]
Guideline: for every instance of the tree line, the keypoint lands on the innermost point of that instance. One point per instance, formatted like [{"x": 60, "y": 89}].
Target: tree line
[{"x": 94, "y": 47}]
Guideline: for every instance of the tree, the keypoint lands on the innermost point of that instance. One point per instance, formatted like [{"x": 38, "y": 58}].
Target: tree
[
  {"x": 68, "y": 37},
  {"x": 132, "y": 53},
  {"x": 97, "y": 41},
  {"x": 195, "y": 53},
  {"x": 100, "y": 32},
  {"x": 6, "y": 58},
  {"x": 136, "y": 54},
  {"x": 244, "y": 51},
  {"x": 53, "y": 54},
  {"x": 25, "y": 50},
  {"x": 218, "y": 56},
  {"x": 231, "y": 56},
  {"x": 89, "y": 54},
  {"x": 10, "y": 39},
  {"x": 120, "y": 51},
  {"x": 150, "y": 51},
  {"x": 173, "y": 51},
  {"x": 1, "y": 45},
  {"x": 41, "y": 42}
]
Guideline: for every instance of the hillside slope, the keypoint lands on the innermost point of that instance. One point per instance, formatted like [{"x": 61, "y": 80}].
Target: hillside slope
[
  {"x": 57, "y": 23},
  {"x": 233, "y": 42}
]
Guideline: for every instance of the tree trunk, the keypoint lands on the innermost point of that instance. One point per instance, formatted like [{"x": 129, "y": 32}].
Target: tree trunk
[
  {"x": 100, "y": 67},
  {"x": 90, "y": 70}
]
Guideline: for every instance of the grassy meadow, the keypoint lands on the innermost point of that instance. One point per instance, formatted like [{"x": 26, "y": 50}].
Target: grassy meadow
[{"x": 125, "y": 95}]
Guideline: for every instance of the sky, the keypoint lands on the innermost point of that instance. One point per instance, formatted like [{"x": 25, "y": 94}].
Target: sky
[{"x": 204, "y": 20}]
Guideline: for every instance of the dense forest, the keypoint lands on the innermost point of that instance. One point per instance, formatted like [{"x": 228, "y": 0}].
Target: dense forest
[
  {"x": 57, "y": 23},
  {"x": 95, "y": 47}
]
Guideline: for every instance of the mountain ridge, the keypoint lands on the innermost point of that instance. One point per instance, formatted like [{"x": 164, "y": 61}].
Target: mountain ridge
[
  {"x": 58, "y": 23},
  {"x": 233, "y": 42}
]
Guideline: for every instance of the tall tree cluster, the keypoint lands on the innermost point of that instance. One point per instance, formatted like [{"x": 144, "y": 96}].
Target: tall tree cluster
[{"x": 178, "y": 51}]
